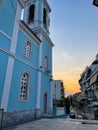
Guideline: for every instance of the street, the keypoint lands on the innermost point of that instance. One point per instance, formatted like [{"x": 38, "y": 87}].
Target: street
[{"x": 57, "y": 124}]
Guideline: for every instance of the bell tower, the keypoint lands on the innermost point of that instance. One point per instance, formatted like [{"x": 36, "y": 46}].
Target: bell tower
[{"x": 36, "y": 15}]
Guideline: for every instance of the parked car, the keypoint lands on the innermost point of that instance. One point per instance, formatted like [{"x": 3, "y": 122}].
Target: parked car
[{"x": 72, "y": 115}]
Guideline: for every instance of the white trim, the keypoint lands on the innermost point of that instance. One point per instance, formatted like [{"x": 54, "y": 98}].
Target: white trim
[
  {"x": 45, "y": 1},
  {"x": 7, "y": 84},
  {"x": 6, "y": 51},
  {"x": 6, "y": 35},
  {"x": 30, "y": 33},
  {"x": 28, "y": 87},
  {"x": 51, "y": 96},
  {"x": 15, "y": 30},
  {"x": 39, "y": 77},
  {"x": 40, "y": 30},
  {"x": 10, "y": 66},
  {"x": 22, "y": 61},
  {"x": 27, "y": 63},
  {"x": 38, "y": 91},
  {"x": 36, "y": 13},
  {"x": 22, "y": 3}
]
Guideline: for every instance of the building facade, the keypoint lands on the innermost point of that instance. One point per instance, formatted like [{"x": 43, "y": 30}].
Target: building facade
[
  {"x": 57, "y": 91},
  {"x": 89, "y": 88},
  {"x": 25, "y": 60}
]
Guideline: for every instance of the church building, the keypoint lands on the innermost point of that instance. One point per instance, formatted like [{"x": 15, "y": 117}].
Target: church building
[{"x": 25, "y": 60}]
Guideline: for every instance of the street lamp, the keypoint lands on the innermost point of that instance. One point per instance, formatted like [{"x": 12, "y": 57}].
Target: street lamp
[{"x": 95, "y": 2}]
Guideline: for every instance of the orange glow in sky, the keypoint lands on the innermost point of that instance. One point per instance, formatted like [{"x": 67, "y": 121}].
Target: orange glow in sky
[
  {"x": 70, "y": 81},
  {"x": 74, "y": 32}
]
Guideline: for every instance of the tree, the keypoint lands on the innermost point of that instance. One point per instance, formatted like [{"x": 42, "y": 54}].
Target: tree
[{"x": 67, "y": 105}]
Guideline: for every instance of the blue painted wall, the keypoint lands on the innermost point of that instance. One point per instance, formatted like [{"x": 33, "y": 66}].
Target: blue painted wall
[
  {"x": 4, "y": 42},
  {"x": 19, "y": 68},
  {"x": 47, "y": 51},
  {"x": 3, "y": 65},
  {"x": 45, "y": 88},
  {"x": 7, "y": 16},
  {"x": 46, "y": 83},
  {"x": 22, "y": 38},
  {"x": 14, "y": 102}
]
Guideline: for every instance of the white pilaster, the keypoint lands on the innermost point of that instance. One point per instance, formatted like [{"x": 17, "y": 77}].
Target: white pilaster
[
  {"x": 10, "y": 66},
  {"x": 15, "y": 30},
  {"x": 36, "y": 12},
  {"x": 39, "y": 79},
  {"x": 8, "y": 78},
  {"x": 51, "y": 96}
]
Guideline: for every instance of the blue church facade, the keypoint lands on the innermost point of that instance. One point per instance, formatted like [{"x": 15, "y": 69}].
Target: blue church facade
[{"x": 25, "y": 60}]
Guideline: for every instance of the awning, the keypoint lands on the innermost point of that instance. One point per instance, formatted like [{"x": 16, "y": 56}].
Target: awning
[{"x": 93, "y": 78}]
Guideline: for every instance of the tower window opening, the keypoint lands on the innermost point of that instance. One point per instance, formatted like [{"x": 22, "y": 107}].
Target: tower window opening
[
  {"x": 31, "y": 13},
  {"x": 44, "y": 17}
]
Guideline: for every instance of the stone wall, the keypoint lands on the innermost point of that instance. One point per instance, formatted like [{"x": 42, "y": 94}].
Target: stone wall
[{"x": 17, "y": 117}]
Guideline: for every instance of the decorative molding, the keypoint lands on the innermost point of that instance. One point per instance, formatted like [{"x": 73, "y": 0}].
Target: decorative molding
[
  {"x": 47, "y": 5},
  {"x": 22, "y": 3},
  {"x": 6, "y": 35},
  {"x": 15, "y": 30},
  {"x": 24, "y": 62},
  {"x": 27, "y": 30},
  {"x": 40, "y": 30},
  {"x": 39, "y": 76},
  {"x": 7, "y": 84}
]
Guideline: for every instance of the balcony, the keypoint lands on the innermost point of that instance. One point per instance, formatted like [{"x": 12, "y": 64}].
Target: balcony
[{"x": 83, "y": 98}]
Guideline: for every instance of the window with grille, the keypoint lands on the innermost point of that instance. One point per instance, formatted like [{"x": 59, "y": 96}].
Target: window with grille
[
  {"x": 27, "y": 52},
  {"x": 31, "y": 13},
  {"x": 24, "y": 86},
  {"x": 46, "y": 62}
]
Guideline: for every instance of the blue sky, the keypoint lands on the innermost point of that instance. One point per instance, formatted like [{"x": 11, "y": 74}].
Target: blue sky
[{"x": 74, "y": 31}]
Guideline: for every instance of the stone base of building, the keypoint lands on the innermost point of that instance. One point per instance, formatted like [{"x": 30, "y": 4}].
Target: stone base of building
[{"x": 18, "y": 117}]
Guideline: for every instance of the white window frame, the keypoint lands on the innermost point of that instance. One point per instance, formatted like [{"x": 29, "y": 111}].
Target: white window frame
[
  {"x": 28, "y": 56},
  {"x": 46, "y": 62},
  {"x": 21, "y": 98}
]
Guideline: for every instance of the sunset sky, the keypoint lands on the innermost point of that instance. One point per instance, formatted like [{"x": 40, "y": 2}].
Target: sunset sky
[{"x": 74, "y": 31}]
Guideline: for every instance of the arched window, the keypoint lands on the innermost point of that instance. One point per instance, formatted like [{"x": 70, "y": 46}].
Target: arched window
[
  {"x": 46, "y": 62},
  {"x": 31, "y": 13},
  {"x": 44, "y": 17},
  {"x": 27, "y": 51},
  {"x": 24, "y": 86}
]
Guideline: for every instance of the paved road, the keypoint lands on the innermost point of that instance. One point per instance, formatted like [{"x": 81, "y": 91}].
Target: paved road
[{"x": 56, "y": 124}]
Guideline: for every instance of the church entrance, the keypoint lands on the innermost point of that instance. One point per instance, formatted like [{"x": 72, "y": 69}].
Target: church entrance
[{"x": 45, "y": 103}]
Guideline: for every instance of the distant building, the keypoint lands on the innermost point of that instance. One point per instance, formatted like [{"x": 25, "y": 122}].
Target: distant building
[
  {"x": 89, "y": 87},
  {"x": 75, "y": 99},
  {"x": 57, "y": 91},
  {"x": 25, "y": 60}
]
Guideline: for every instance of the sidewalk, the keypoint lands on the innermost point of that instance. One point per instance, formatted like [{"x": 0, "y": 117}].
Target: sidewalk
[{"x": 56, "y": 124}]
